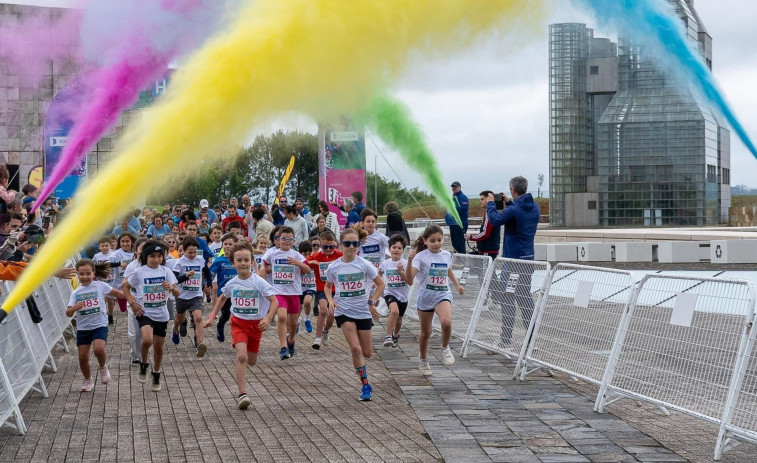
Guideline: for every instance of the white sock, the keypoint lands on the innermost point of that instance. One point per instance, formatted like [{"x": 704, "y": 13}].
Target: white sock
[{"x": 307, "y": 317}]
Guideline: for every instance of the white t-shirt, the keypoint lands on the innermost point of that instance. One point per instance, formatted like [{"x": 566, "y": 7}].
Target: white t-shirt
[
  {"x": 105, "y": 258},
  {"x": 215, "y": 247},
  {"x": 285, "y": 276},
  {"x": 151, "y": 295},
  {"x": 433, "y": 278},
  {"x": 120, "y": 256},
  {"x": 374, "y": 248},
  {"x": 395, "y": 285},
  {"x": 94, "y": 314},
  {"x": 352, "y": 282},
  {"x": 128, "y": 271},
  {"x": 192, "y": 287},
  {"x": 248, "y": 297}
]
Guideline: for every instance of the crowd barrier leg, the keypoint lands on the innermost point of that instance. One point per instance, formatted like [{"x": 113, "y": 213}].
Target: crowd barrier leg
[
  {"x": 521, "y": 366},
  {"x": 18, "y": 420}
]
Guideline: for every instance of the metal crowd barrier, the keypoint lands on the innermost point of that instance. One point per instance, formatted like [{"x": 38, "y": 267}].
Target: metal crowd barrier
[{"x": 25, "y": 347}]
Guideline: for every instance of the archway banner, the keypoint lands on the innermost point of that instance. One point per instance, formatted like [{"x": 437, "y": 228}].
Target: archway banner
[{"x": 341, "y": 164}]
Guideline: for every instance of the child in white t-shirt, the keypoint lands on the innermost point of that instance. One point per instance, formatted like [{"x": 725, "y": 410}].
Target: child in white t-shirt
[
  {"x": 431, "y": 264},
  {"x": 153, "y": 281},
  {"x": 87, "y": 305},
  {"x": 396, "y": 292},
  {"x": 249, "y": 315},
  {"x": 376, "y": 243},
  {"x": 103, "y": 245},
  {"x": 351, "y": 276}
]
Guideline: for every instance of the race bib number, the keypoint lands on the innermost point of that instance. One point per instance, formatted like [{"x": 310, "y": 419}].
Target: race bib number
[
  {"x": 394, "y": 279},
  {"x": 375, "y": 259},
  {"x": 154, "y": 296},
  {"x": 308, "y": 281},
  {"x": 245, "y": 301},
  {"x": 192, "y": 284},
  {"x": 351, "y": 285},
  {"x": 437, "y": 279},
  {"x": 91, "y": 303},
  {"x": 323, "y": 267},
  {"x": 283, "y": 274}
]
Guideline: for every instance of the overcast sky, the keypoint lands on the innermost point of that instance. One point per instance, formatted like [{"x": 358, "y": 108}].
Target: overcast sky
[{"x": 485, "y": 112}]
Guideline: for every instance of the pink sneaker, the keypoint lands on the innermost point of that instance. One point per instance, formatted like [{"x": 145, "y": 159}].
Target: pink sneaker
[
  {"x": 87, "y": 385},
  {"x": 105, "y": 375}
]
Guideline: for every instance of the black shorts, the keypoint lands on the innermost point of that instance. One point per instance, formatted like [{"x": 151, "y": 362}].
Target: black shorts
[
  {"x": 401, "y": 305},
  {"x": 309, "y": 292},
  {"x": 362, "y": 324},
  {"x": 158, "y": 328},
  {"x": 434, "y": 307},
  {"x": 320, "y": 295},
  {"x": 189, "y": 305}
]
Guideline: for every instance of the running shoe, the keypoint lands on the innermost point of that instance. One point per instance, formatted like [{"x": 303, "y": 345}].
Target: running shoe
[
  {"x": 316, "y": 343},
  {"x": 142, "y": 376},
  {"x": 291, "y": 349},
  {"x": 105, "y": 375},
  {"x": 284, "y": 353},
  {"x": 156, "y": 381},
  {"x": 447, "y": 357},
  {"x": 175, "y": 337},
  {"x": 365, "y": 396},
  {"x": 424, "y": 366},
  {"x": 387, "y": 341},
  {"x": 135, "y": 361},
  {"x": 221, "y": 336},
  {"x": 201, "y": 349},
  {"x": 395, "y": 341},
  {"x": 87, "y": 385},
  {"x": 308, "y": 326},
  {"x": 325, "y": 337},
  {"x": 243, "y": 401},
  {"x": 183, "y": 329}
]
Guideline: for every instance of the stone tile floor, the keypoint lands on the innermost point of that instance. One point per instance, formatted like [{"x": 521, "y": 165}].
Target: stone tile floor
[{"x": 306, "y": 409}]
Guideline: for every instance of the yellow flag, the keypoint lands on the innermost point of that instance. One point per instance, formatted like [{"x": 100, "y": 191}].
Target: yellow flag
[{"x": 284, "y": 180}]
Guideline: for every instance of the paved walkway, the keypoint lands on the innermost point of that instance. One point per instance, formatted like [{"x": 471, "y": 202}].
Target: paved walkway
[{"x": 306, "y": 409}]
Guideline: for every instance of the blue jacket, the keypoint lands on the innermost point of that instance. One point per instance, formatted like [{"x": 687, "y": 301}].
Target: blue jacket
[
  {"x": 225, "y": 271},
  {"x": 461, "y": 204},
  {"x": 520, "y": 218},
  {"x": 353, "y": 217}
]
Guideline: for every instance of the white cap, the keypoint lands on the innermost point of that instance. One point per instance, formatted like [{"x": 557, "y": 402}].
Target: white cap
[{"x": 204, "y": 203}]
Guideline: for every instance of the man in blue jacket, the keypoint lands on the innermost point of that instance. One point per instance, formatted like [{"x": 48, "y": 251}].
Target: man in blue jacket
[
  {"x": 520, "y": 218},
  {"x": 456, "y": 232}
]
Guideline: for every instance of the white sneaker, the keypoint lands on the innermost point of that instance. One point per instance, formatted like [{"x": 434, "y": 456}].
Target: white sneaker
[
  {"x": 316, "y": 343},
  {"x": 424, "y": 366},
  {"x": 105, "y": 375},
  {"x": 447, "y": 357},
  {"x": 87, "y": 385},
  {"x": 388, "y": 341},
  {"x": 325, "y": 338}
]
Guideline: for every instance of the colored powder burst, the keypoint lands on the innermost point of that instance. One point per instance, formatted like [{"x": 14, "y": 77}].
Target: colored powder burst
[
  {"x": 392, "y": 121},
  {"x": 655, "y": 24},
  {"x": 140, "y": 47},
  {"x": 323, "y": 57}
]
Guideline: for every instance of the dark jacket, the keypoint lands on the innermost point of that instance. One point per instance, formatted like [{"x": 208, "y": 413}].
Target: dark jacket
[
  {"x": 488, "y": 238},
  {"x": 520, "y": 218},
  {"x": 461, "y": 204},
  {"x": 395, "y": 224}
]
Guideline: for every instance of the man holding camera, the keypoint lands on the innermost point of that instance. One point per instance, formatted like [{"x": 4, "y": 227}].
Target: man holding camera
[
  {"x": 521, "y": 219},
  {"x": 488, "y": 238}
]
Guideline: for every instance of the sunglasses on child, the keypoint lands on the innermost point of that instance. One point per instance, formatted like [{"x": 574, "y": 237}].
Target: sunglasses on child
[
  {"x": 351, "y": 244},
  {"x": 287, "y": 239},
  {"x": 326, "y": 247}
]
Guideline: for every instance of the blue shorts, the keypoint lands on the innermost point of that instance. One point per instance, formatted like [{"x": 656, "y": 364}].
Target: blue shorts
[
  {"x": 86, "y": 337},
  {"x": 308, "y": 292}
]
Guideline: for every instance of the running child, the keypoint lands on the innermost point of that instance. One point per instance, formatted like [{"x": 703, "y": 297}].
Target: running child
[
  {"x": 123, "y": 255},
  {"x": 319, "y": 262},
  {"x": 396, "y": 292},
  {"x": 225, "y": 272},
  {"x": 353, "y": 309},
  {"x": 216, "y": 243},
  {"x": 190, "y": 299},
  {"x": 308, "y": 288},
  {"x": 376, "y": 244},
  {"x": 87, "y": 304},
  {"x": 153, "y": 282},
  {"x": 103, "y": 245},
  {"x": 133, "y": 330},
  {"x": 245, "y": 294},
  {"x": 285, "y": 266},
  {"x": 431, "y": 264}
]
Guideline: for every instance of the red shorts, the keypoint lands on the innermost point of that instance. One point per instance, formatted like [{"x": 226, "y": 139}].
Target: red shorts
[
  {"x": 246, "y": 331},
  {"x": 292, "y": 303}
]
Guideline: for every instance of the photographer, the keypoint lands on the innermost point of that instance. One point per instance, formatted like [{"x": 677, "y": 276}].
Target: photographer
[
  {"x": 520, "y": 218},
  {"x": 488, "y": 238}
]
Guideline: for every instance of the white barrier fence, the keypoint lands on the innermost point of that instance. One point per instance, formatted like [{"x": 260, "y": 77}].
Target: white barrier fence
[
  {"x": 684, "y": 343},
  {"x": 25, "y": 347}
]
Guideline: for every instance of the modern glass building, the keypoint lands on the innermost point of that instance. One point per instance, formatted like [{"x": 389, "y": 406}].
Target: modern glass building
[{"x": 629, "y": 145}]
